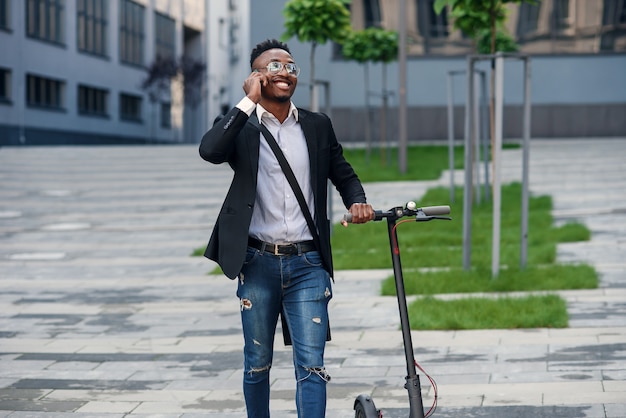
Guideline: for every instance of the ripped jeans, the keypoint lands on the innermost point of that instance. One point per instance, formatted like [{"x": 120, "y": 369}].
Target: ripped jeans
[{"x": 300, "y": 287}]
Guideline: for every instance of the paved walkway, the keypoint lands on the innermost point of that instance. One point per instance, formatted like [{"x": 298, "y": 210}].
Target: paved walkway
[{"x": 103, "y": 313}]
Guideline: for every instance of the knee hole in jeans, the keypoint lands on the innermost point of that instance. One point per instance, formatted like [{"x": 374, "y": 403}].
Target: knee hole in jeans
[{"x": 319, "y": 371}]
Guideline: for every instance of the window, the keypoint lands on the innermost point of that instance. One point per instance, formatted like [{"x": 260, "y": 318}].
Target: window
[
  {"x": 91, "y": 24},
  {"x": 165, "y": 28},
  {"x": 613, "y": 25},
  {"x": 44, "y": 92},
  {"x": 562, "y": 15},
  {"x": 131, "y": 32},
  {"x": 44, "y": 20},
  {"x": 166, "y": 115},
  {"x": 92, "y": 101},
  {"x": 429, "y": 23},
  {"x": 528, "y": 19},
  {"x": 371, "y": 9},
  {"x": 5, "y": 14},
  {"x": 614, "y": 12},
  {"x": 130, "y": 107},
  {"x": 5, "y": 85}
]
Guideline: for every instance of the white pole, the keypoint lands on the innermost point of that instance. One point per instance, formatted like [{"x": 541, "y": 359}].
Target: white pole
[
  {"x": 497, "y": 152},
  {"x": 526, "y": 157},
  {"x": 476, "y": 136},
  {"x": 451, "y": 136},
  {"x": 467, "y": 189},
  {"x": 484, "y": 110}
]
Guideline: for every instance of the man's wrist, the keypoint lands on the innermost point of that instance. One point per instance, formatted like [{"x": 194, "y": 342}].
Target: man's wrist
[{"x": 246, "y": 105}]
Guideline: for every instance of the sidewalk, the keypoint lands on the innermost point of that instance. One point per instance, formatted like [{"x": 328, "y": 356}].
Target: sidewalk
[{"x": 103, "y": 313}]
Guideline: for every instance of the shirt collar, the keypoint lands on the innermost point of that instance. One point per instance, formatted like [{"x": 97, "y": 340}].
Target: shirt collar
[{"x": 260, "y": 112}]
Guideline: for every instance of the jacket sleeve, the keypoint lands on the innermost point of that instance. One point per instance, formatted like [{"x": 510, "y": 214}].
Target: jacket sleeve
[{"x": 218, "y": 144}]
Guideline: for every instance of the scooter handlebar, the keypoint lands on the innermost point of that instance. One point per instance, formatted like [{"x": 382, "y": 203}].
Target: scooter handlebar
[
  {"x": 436, "y": 210},
  {"x": 426, "y": 210}
]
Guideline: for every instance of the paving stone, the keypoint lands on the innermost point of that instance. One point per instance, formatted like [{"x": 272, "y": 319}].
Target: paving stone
[{"x": 103, "y": 313}]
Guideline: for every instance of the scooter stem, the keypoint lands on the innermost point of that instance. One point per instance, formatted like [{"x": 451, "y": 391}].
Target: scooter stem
[{"x": 416, "y": 408}]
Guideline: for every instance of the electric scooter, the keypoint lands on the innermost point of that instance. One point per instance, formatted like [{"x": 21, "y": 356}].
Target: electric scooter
[{"x": 364, "y": 406}]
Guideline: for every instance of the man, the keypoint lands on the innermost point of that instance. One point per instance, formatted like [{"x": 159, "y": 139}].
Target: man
[{"x": 261, "y": 235}]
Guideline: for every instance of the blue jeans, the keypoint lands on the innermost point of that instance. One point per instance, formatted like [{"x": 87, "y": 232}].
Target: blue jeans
[{"x": 299, "y": 287}]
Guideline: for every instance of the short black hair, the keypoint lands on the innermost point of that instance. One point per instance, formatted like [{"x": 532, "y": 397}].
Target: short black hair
[{"x": 267, "y": 45}]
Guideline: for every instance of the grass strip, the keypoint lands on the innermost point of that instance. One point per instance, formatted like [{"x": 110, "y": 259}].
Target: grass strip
[
  {"x": 545, "y": 311},
  {"x": 426, "y": 162},
  {"x": 549, "y": 277}
]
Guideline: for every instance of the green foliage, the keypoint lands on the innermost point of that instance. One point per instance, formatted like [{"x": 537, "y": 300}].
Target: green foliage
[
  {"x": 440, "y": 244},
  {"x": 472, "y": 17},
  {"x": 547, "y": 311},
  {"x": 371, "y": 44},
  {"x": 317, "y": 21},
  {"x": 483, "y": 21},
  {"x": 504, "y": 42}
]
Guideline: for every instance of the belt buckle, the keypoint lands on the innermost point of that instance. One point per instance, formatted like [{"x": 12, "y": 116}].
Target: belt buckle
[{"x": 276, "y": 249}]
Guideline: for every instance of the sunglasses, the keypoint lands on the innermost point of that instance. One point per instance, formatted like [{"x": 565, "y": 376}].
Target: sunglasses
[{"x": 275, "y": 67}]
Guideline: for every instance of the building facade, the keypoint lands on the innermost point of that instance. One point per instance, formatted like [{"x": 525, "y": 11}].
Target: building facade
[
  {"x": 71, "y": 71},
  {"x": 75, "y": 71},
  {"x": 577, "y": 51}
]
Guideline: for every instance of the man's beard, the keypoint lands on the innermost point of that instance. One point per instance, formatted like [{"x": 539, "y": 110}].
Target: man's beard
[{"x": 283, "y": 99}]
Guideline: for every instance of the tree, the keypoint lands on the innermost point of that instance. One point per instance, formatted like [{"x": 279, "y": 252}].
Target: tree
[
  {"x": 483, "y": 21},
  {"x": 372, "y": 45},
  {"x": 164, "y": 70},
  {"x": 193, "y": 76},
  {"x": 316, "y": 21},
  {"x": 160, "y": 73}
]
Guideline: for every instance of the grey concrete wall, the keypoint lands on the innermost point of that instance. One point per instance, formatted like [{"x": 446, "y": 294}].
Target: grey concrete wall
[{"x": 431, "y": 123}]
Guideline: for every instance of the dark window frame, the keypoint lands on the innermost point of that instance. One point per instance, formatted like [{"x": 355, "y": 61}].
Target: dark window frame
[
  {"x": 528, "y": 19},
  {"x": 92, "y": 26},
  {"x": 6, "y": 95},
  {"x": 5, "y": 15},
  {"x": 561, "y": 16},
  {"x": 45, "y": 20},
  {"x": 92, "y": 101},
  {"x": 166, "y": 115},
  {"x": 132, "y": 32},
  {"x": 45, "y": 93},
  {"x": 165, "y": 35},
  {"x": 372, "y": 14},
  {"x": 429, "y": 23},
  {"x": 130, "y": 106}
]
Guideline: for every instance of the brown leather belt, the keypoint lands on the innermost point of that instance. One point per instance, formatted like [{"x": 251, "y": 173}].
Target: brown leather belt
[{"x": 282, "y": 249}]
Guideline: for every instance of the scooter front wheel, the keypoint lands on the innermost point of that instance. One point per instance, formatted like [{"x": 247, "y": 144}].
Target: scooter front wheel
[{"x": 364, "y": 408}]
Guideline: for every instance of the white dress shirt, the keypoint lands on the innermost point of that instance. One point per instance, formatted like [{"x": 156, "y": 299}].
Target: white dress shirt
[{"x": 277, "y": 217}]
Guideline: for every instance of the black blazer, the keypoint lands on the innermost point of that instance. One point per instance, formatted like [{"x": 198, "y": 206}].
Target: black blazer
[{"x": 235, "y": 139}]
